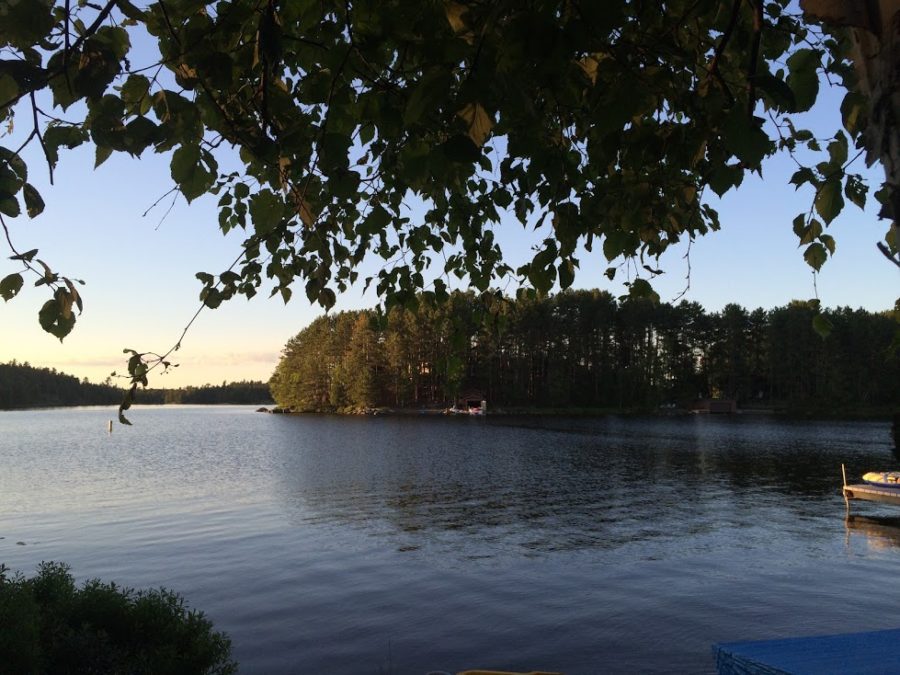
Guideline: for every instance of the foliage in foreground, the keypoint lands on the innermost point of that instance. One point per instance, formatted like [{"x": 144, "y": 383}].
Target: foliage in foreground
[
  {"x": 51, "y": 626},
  {"x": 403, "y": 131},
  {"x": 337, "y": 116}
]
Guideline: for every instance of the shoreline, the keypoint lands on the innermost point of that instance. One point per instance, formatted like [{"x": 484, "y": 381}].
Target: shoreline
[
  {"x": 875, "y": 413},
  {"x": 881, "y": 414}
]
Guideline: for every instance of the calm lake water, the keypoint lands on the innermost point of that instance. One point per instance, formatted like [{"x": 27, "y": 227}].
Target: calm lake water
[{"x": 404, "y": 545}]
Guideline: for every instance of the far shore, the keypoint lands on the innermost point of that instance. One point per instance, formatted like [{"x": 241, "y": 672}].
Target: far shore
[
  {"x": 872, "y": 413},
  {"x": 860, "y": 413}
]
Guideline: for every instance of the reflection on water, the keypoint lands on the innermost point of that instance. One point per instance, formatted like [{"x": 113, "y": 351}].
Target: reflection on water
[
  {"x": 403, "y": 545},
  {"x": 879, "y": 532},
  {"x": 530, "y": 486}
]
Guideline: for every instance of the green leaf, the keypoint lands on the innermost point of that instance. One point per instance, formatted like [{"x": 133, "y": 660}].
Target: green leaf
[
  {"x": 460, "y": 148},
  {"x": 855, "y": 190},
  {"x": 815, "y": 256},
  {"x": 8, "y": 91},
  {"x": 211, "y": 297},
  {"x": 892, "y": 239},
  {"x": 227, "y": 277},
  {"x": 566, "y": 271},
  {"x": 126, "y": 404},
  {"x": 822, "y": 325},
  {"x": 103, "y": 153},
  {"x": 803, "y": 175},
  {"x": 829, "y": 201},
  {"x": 74, "y": 294},
  {"x": 34, "y": 204},
  {"x": 804, "y": 77},
  {"x": 327, "y": 298},
  {"x": 10, "y": 286},
  {"x": 135, "y": 93},
  {"x": 837, "y": 151},
  {"x": 811, "y": 232},
  {"x": 62, "y": 135},
  {"x": 55, "y": 320},
  {"x": 134, "y": 362},
  {"x": 130, "y": 10},
  {"x": 724, "y": 177},
  {"x": 641, "y": 288},
  {"x": 138, "y": 135},
  {"x": 26, "y": 24},
  {"x": 376, "y": 221},
  {"x": 333, "y": 152},
  {"x": 745, "y": 138},
  {"x": 16, "y": 163},
  {"x": 777, "y": 90},
  {"x": 189, "y": 173},
  {"x": 266, "y": 210},
  {"x": 614, "y": 244},
  {"x": 28, "y": 256},
  {"x": 184, "y": 162},
  {"x": 345, "y": 184},
  {"x": 9, "y": 206},
  {"x": 854, "y": 113},
  {"x": 366, "y": 133}
]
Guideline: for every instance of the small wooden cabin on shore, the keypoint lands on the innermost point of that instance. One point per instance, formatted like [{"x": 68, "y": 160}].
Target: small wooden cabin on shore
[{"x": 471, "y": 399}]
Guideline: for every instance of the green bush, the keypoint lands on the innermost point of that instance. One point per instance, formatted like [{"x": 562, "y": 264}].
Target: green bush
[{"x": 48, "y": 625}]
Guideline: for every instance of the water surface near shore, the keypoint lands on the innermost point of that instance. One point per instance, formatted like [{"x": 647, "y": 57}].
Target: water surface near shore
[{"x": 327, "y": 544}]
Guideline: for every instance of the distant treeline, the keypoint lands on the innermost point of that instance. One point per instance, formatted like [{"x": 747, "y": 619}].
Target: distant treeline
[
  {"x": 245, "y": 391},
  {"x": 25, "y": 386},
  {"x": 585, "y": 349}
]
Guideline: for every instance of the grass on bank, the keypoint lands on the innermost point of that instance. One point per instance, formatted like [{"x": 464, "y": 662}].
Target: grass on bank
[{"x": 51, "y": 626}]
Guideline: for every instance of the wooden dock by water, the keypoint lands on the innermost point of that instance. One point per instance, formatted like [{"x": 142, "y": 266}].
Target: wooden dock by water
[{"x": 869, "y": 493}]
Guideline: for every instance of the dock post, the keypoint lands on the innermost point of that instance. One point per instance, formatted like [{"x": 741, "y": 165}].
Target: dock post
[
  {"x": 844, "y": 489},
  {"x": 109, "y": 427}
]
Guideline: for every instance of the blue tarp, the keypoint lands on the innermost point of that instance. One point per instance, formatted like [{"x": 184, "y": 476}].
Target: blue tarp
[{"x": 845, "y": 654}]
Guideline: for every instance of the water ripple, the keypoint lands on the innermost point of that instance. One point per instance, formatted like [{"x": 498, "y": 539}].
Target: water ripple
[{"x": 385, "y": 545}]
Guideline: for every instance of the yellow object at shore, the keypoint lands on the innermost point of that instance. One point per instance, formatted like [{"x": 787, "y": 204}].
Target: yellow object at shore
[{"x": 882, "y": 478}]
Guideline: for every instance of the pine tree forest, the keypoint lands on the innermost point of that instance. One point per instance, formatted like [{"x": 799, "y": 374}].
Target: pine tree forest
[{"x": 587, "y": 350}]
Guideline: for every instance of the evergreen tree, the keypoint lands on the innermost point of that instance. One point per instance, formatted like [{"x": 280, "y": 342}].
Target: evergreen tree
[{"x": 362, "y": 364}]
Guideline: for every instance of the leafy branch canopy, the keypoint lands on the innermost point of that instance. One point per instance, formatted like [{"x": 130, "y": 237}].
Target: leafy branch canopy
[{"x": 602, "y": 123}]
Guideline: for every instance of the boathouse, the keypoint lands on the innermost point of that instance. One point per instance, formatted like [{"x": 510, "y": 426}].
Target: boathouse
[{"x": 471, "y": 400}]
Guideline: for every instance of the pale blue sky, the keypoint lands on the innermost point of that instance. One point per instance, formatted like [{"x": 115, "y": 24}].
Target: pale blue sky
[{"x": 141, "y": 289}]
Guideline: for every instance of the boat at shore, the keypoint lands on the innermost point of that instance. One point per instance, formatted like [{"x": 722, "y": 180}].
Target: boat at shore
[{"x": 886, "y": 479}]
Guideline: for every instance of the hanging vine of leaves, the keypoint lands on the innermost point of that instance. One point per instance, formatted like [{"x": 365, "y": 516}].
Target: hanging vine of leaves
[{"x": 599, "y": 121}]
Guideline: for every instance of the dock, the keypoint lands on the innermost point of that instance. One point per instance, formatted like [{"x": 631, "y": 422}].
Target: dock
[
  {"x": 871, "y": 493},
  {"x": 843, "y": 654}
]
